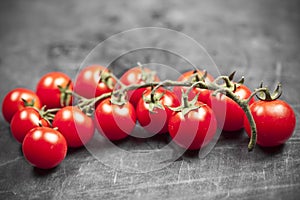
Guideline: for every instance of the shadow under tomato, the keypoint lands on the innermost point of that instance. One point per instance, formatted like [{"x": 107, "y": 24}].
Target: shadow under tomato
[
  {"x": 121, "y": 142},
  {"x": 37, "y": 172},
  {"x": 233, "y": 135},
  {"x": 191, "y": 153},
  {"x": 72, "y": 151},
  {"x": 271, "y": 150},
  {"x": 155, "y": 139}
]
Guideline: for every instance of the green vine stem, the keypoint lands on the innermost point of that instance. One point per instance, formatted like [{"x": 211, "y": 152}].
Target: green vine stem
[
  {"x": 111, "y": 75},
  {"x": 255, "y": 92},
  {"x": 226, "y": 89},
  {"x": 70, "y": 92},
  {"x": 244, "y": 104}
]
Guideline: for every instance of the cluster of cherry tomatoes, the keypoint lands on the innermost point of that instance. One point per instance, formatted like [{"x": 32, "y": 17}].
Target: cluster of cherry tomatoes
[{"x": 62, "y": 114}]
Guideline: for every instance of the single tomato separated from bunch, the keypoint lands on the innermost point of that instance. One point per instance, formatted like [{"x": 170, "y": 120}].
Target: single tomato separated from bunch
[
  {"x": 275, "y": 122},
  {"x": 194, "y": 129},
  {"x": 77, "y": 128},
  {"x": 153, "y": 113},
  {"x": 24, "y": 120},
  {"x": 138, "y": 75},
  {"x": 90, "y": 81},
  {"x": 44, "y": 147},
  {"x": 229, "y": 114},
  {"x": 115, "y": 122},
  {"x": 51, "y": 90},
  {"x": 16, "y": 100},
  {"x": 204, "y": 94}
]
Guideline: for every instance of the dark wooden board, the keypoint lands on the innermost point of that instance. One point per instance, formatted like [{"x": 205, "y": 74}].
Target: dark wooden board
[{"x": 258, "y": 39}]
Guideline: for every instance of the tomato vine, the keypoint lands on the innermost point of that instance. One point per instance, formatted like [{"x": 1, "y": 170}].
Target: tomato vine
[
  {"x": 189, "y": 109},
  {"x": 222, "y": 84}
]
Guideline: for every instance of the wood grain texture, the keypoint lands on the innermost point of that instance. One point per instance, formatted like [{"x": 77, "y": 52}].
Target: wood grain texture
[{"x": 259, "y": 39}]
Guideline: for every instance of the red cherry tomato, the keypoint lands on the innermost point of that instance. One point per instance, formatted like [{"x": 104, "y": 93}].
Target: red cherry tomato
[
  {"x": 13, "y": 102},
  {"x": 44, "y": 147},
  {"x": 231, "y": 117},
  {"x": 113, "y": 121},
  {"x": 24, "y": 120},
  {"x": 88, "y": 82},
  {"x": 275, "y": 122},
  {"x": 156, "y": 120},
  {"x": 195, "y": 129},
  {"x": 137, "y": 75},
  {"x": 204, "y": 95},
  {"x": 77, "y": 128},
  {"x": 48, "y": 89}
]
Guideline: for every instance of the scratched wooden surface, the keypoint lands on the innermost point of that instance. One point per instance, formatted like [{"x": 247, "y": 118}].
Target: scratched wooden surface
[{"x": 259, "y": 39}]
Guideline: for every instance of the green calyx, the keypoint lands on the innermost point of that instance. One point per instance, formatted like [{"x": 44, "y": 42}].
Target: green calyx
[
  {"x": 197, "y": 78},
  {"x": 118, "y": 98},
  {"x": 228, "y": 84},
  {"x": 264, "y": 94},
  {"x": 106, "y": 77},
  {"x": 65, "y": 95},
  {"x": 146, "y": 76},
  {"x": 154, "y": 101},
  {"x": 88, "y": 110},
  {"x": 28, "y": 103},
  {"x": 186, "y": 105},
  {"x": 47, "y": 115}
]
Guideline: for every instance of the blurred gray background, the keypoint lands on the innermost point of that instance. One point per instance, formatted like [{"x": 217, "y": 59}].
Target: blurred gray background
[{"x": 259, "y": 39}]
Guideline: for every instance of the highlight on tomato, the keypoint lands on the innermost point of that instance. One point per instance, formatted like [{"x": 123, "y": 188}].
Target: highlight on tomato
[
  {"x": 194, "y": 129},
  {"x": 275, "y": 122},
  {"x": 153, "y": 112},
  {"x": 16, "y": 100},
  {"x": 52, "y": 90},
  {"x": 24, "y": 120},
  {"x": 77, "y": 128},
  {"x": 193, "y": 125},
  {"x": 229, "y": 114},
  {"x": 194, "y": 76},
  {"x": 138, "y": 75},
  {"x": 44, "y": 147},
  {"x": 115, "y": 122},
  {"x": 93, "y": 81}
]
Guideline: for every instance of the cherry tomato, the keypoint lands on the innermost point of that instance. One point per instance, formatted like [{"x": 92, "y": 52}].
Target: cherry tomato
[
  {"x": 44, "y": 147},
  {"x": 137, "y": 75},
  {"x": 156, "y": 120},
  {"x": 24, "y": 120},
  {"x": 115, "y": 122},
  {"x": 88, "y": 83},
  {"x": 204, "y": 94},
  {"x": 13, "y": 102},
  {"x": 229, "y": 113},
  {"x": 275, "y": 122},
  {"x": 195, "y": 129},
  {"x": 77, "y": 128},
  {"x": 48, "y": 90}
]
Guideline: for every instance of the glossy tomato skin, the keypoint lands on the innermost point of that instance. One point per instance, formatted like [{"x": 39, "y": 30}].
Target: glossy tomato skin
[
  {"x": 229, "y": 114},
  {"x": 88, "y": 82},
  {"x": 134, "y": 76},
  {"x": 44, "y": 147},
  {"x": 204, "y": 94},
  {"x": 13, "y": 102},
  {"x": 156, "y": 121},
  {"x": 195, "y": 129},
  {"x": 113, "y": 121},
  {"x": 275, "y": 122},
  {"x": 77, "y": 128},
  {"x": 48, "y": 89},
  {"x": 24, "y": 120}
]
